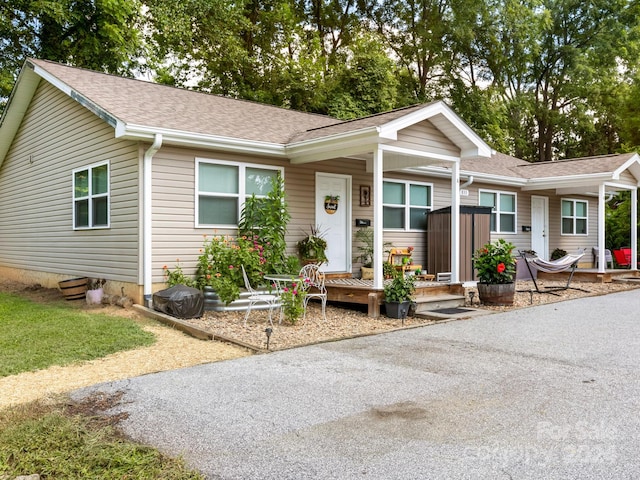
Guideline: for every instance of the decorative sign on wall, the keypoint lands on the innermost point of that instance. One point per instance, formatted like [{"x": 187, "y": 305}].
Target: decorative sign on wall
[
  {"x": 365, "y": 195},
  {"x": 331, "y": 204}
]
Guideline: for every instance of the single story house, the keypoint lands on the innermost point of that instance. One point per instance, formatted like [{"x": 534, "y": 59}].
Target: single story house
[{"x": 114, "y": 178}]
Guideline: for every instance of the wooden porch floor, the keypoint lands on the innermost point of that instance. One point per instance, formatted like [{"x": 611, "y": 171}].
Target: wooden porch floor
[
  {"x": 355, "y": 290},
  {"x": 341, "y": 288}
]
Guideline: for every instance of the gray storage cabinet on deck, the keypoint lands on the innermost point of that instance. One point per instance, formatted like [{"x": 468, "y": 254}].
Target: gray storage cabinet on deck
[{"x": 475, "y": 231}]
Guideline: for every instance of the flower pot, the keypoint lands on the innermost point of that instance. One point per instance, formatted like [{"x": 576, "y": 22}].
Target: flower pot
[
  {"x": 94, "y": 297},
  {"x": 74, "y": 288},
  {"x": 397, "y": 309},
  {"x": 367, "y": 273},
  {"x": 496, "y": 293}
]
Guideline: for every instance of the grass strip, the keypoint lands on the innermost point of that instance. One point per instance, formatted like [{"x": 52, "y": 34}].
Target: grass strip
[
  {"x": 34, "y": 336},
  {"x": 49, "y": 441}
]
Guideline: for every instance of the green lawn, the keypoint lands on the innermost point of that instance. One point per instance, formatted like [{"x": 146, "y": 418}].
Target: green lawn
[
  {"x": 55, "y": 443},
  {"x": 34, "y": 336},
  {"x": 53, "y": 440}
]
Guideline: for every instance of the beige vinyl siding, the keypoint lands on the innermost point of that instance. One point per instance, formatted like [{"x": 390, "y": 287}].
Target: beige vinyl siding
[
  {"x": 572, "y": 243},
  {"x": 36, "y": 230},
  {"x": 175, "y": 237},
  {"x": 425, "y": 137}
]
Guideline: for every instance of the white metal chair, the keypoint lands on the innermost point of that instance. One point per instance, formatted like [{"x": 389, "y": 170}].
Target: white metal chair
[
  {"x": 313, "y": 280},
  {"x": 607, "y": 257},
  {"x": 257, "y": 297}
]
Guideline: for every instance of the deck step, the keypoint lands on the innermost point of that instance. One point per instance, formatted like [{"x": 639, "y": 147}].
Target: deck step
[
  {"x": 444, "y": 307},
  {"x": 436, "y": 302}
]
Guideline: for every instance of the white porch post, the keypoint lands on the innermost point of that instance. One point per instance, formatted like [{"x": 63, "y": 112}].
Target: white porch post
[
  {"x": 634, "y": 229},
  {"x": 455, "y": 222},
  {"x": 378, "y": 280},
  {"x": 602, "y": 260}
]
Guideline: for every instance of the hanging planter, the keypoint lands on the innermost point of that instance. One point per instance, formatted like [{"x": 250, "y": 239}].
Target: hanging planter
[{"x": 331, "y": 204}]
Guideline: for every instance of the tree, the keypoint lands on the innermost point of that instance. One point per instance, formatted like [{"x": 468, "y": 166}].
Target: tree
[{"x": 101, "y": 35}]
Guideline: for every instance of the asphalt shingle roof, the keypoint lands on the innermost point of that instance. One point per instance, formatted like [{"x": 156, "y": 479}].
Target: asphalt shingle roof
[{"x": 137, "y": 102}]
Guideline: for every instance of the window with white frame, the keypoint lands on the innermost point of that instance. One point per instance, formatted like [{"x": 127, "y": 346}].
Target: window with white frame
[
  {"x": 222, "y": 188},
  {"x": 405, "y": 204},
  {"x": 574, "y": 217},
  {"x": 91, "y": 196},
  {"x": 503, "y": 210}
]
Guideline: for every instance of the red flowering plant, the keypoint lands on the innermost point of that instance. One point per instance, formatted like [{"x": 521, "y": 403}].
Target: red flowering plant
[{"x": 495, "y": 263}]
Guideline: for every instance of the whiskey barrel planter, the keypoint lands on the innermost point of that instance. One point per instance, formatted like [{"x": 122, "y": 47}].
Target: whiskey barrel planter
[
  {"x": 74, "y": 288},
  {"x": 496, "y": 293}
]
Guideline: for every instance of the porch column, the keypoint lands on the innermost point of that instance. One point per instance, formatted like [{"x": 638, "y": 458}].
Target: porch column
[
  {"x": 634, "y": 229},
  {"x": 602, "y": 259},
  {"x": 455, "y": 222},
  {"x": 378, "y": 276}
]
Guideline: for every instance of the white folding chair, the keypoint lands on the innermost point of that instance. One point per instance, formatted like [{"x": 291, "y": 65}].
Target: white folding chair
[
  {"x": 313, "y": 280},
  {"x": 257, "y": 297}
]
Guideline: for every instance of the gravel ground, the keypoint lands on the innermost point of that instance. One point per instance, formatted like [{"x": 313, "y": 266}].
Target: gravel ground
[
  {"x": 347, "y": 323},
  {"x": 175, "y": 350}
]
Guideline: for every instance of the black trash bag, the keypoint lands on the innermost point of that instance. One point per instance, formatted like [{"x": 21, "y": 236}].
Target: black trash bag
[{"x": 179, "y": 301}]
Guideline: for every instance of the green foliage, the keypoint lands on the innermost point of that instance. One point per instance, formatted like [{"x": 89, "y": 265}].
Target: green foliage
[
  {"x": 177, "y": 277},
  {"x": 365, "y": 236},
  {"x": 50, "y": 440},
  {"x": 400, "y": 288},
  {"x": 267, "y": 218},
  {"x": 558, "y": 253},
  {"x": 292, "y": 298},
  {"x": 313, "y": 246},
  {"x": 221, "y": 260},
  {"x": 102, "y": 35},
  {"x": 35, "y": 336},
  {"x": 618, "y": 221},
  {"x": 495, "y": 262}
]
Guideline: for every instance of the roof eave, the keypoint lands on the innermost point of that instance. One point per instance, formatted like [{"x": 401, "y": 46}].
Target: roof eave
[
  {"x": 332, "y": 146},
  {"x": 545, "y": 183},
  {"x": 196, "y": 140},
  {"x": 17, "y": 107},
  {"x": 448, "y": 122}
]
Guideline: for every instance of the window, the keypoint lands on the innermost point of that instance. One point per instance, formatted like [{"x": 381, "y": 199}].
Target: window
[
  {"x": 405, "y": 205},
  {"x": 503, "y": 213},
  {"x": 223, "y": 186},
  {"x": 91, "y": 197},
  {"x": 574, "y": 217}
]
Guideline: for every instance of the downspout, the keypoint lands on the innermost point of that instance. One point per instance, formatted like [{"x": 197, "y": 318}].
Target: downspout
[
  {"x": 467, "y": 183},
  {"x": 147, "y": 257}
]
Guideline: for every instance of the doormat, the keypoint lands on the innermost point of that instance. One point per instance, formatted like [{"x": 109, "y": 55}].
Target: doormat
[{"x": 453, "y": 311}]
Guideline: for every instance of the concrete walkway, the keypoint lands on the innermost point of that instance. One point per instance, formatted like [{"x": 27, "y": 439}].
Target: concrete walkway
[{"x": 551, "y": 392}]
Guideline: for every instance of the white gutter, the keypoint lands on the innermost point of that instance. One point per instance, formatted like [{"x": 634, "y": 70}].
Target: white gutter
[
  {"x": 147, "y": 257},
  {"x": 468, "y": 182}
]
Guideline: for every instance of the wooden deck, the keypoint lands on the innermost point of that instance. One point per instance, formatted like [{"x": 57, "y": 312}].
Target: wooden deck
[
  {"x": 591, "y": 275},
  {"x": 355, "y": 290},
  {"x": 342, "y": 288}
]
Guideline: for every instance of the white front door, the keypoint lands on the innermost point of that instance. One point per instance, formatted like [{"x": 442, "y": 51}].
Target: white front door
[
  {"x": 335, "y": 219},
  {"x": 540, "y": 226}
]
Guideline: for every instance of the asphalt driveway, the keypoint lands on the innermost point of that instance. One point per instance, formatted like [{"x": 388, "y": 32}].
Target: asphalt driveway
[{"x": 550, "y": 392}]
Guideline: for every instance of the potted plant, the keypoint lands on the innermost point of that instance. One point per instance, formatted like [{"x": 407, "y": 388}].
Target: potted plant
[
  {"x": 312, "y": 248},
  {"x": 95, "y": 291},
  {"x": 496, "y": 269},
  {"x": 365, "y": 237},
  {"x": 397, "y": 295}
]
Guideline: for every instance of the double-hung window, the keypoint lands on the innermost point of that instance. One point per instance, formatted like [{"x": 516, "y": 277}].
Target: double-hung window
[
  {"x": 574, "y": 217},
  {"x": 405, "y": 205},
  {"x": 91, "y": 196},
  {"x": 503, "y": 210},
  {"x": 222, "y": 188}
]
